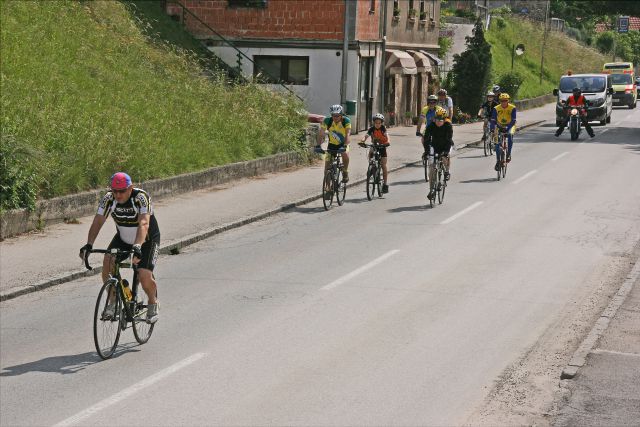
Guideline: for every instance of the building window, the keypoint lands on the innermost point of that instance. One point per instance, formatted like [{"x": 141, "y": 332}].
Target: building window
[
  {"x": 423, "y": 13},
  {"x": 293, "y": 70},
  {"x": 372, "y": 7},
  {"x": 261, "y": 4}
]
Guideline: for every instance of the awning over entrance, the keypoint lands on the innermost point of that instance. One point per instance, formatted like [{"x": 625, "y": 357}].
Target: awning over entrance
[
  {"x": 422, "y": 61},
  {"x": 399, "y": 62},
  {"x": 435, "y": 59}
]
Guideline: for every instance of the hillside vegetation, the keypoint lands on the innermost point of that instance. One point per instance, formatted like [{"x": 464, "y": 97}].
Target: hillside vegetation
[
  {"x": 89, "y": 88},
  {"x": 561, "y": 54}
]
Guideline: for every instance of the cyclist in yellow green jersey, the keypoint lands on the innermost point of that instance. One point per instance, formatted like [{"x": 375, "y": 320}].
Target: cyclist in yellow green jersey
[{"x": 338, "y": 127}]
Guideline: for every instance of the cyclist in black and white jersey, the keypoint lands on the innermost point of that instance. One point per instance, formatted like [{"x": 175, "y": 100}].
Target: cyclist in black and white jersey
[{"x": 137, "y": 230}]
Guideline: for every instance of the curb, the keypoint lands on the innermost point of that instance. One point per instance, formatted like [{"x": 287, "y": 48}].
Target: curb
[
  {"x": 579, "y": 358},
  {"x": 175, "y": 247}
]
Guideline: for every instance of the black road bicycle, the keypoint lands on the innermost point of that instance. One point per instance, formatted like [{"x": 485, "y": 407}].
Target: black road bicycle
[
  {"x": 375, "y": 181},
  {"x": 118, "y": 306},
  {"x": 488, "y": 139},
  {"x": 438, "y": 183},
  {"x": 503, "y": 139},
  {"x": 332, "y": 184}
]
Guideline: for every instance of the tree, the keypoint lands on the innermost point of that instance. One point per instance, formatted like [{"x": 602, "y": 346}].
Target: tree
[{"x": 471, "y": 71}]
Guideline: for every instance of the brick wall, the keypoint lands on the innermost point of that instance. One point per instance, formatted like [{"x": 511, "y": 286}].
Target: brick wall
[
  {"x": 368, "y": 24},
  {"x": 281, "y": 19}
]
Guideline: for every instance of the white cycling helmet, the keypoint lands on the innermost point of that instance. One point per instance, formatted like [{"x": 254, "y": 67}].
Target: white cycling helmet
[
  {"x": 378, "y": 116},
  {"x": 491, "y": 93},
  {"x": 335, "y": 109}
]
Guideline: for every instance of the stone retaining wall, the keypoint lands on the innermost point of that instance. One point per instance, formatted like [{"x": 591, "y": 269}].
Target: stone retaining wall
[{"x": 59, "y": 209}]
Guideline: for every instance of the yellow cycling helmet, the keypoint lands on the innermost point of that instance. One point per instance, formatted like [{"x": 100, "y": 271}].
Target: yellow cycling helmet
[
  {"x": 504, "y": 96},
  {"x": 441, "y": 113}
]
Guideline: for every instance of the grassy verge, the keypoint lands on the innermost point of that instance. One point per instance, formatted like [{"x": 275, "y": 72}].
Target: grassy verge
[
  {"x": 561, "y": 54},
  {"x": 89, "y": 88}
]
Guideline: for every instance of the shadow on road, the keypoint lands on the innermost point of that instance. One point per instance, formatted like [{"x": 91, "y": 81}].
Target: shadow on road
[
  {"x": 414, "y": 181},
  {"x": 69, "y": 364},
  {"x": 475, "y": 181},
  {"x": 408, "y": 209}
]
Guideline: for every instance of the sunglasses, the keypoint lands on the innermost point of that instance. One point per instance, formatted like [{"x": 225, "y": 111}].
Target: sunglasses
[
  {"x": 336, "y": 115},
  {"x": 118, "y": 191},
  {"x": 431, "y": 102}
]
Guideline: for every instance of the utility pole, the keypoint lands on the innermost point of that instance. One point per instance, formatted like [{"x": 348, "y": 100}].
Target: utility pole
[
  {"x": 345, "y": 56},
  {"x": 382, "y": 59},
  {"x": 544, "y": 40}
]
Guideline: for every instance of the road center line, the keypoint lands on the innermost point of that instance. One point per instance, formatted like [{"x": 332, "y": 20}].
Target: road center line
[
  {"x": 362, "y": 269},
  {"x": 113, "y": 399},
  {"x": 618, "y": 353},
  {"x": 559, "y": 156},
  {"x": 525, "y": 176},
  {"x": 462, "y": 212}
]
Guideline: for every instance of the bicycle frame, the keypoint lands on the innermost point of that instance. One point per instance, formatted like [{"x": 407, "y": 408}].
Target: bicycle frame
[{"x": 116, "y": 279}]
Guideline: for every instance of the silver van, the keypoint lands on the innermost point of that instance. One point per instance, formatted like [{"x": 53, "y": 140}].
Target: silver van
[{"x": 597, "y": 90}]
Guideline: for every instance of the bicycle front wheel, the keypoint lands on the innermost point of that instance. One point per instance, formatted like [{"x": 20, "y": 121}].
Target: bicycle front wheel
[
  {"x": 371, "y": 181},
  {"x": 327, "y": 190},
  {"x": 487, "y": 143},
  {"x": 107, "y": 319},
  {"x": 425, "y": 165},
  {"x": 504, "y": 163},
  {"x": 440, "y": 185},
  {"x": 340, "y": 188},
  {"x": 141, "y": 329},
  {"x": 378, "y": 180}
]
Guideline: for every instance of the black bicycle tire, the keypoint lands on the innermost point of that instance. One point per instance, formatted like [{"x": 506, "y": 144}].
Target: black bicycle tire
[
  {"x": 327, "y": 183},
  {"x": 340, "y": 187},
  {"x": 370, "y": 183},
  {"x": 444, "y": 187},
  {"x": 439, "y": 180},
  {"x": 491, "y": 145},
  {"x": 504, "y": 164},
  {"x": 487, "y": 142},
  {"x": 97, "y": 314},
  {"x": 425, "y": 165},
  {"x": 378, "y": 179},
  {"x": 140, "y": 319}
]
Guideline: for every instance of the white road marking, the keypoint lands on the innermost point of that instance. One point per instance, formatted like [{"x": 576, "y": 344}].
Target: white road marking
[
  {"x": 525, "y": 176},
  {"x": 462, "y": 212},
  {"x": 559, "y": 156},
  {"x": 362, "y": 269},
  {"x": 109, "y": 401}
]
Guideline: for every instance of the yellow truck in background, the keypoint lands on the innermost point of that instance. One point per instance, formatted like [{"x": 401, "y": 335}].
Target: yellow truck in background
[{"x": 625, "y": 89}]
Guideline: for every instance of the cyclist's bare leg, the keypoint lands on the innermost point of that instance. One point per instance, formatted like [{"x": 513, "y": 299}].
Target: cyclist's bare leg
[
  {"x": 446, "y": 161},
  {"x": 148, "y": 284},
  {"x": 108, "y": 263},
  {"x": 432, "y": 174},
  {"x": 385, "y": 172}
]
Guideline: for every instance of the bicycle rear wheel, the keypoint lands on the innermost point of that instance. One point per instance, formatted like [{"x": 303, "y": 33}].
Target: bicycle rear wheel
[
  {"x": 327, "y": 190},
  {"x": 442, "y": 190},
  {"x": 487, "y": 143},
  {"x": 371, "y": 181},
  {"x": 107, "y": 328},
  {"x": 141, "y": 329},
  {"x": 340, "y": 188}
]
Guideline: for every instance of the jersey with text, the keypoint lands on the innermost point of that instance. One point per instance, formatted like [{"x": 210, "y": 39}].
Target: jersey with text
[
  {"x": 127, "y": 215},
  {"x": 337, "y": 131}
]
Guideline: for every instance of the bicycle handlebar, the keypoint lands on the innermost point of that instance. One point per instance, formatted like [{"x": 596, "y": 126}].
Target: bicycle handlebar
[{"x": 114, "y": 251}]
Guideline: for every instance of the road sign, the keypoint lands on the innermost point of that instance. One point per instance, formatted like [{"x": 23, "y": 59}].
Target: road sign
[{"x": 623, "y": 24}]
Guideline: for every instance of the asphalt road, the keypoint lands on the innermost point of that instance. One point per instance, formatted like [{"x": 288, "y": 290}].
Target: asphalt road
[{"x": 374, "y": 313}]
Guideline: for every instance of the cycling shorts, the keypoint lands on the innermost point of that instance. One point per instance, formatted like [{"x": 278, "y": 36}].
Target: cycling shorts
[
  {"x": 149, "y": 248},
  {"x": 382, "y": 149}
]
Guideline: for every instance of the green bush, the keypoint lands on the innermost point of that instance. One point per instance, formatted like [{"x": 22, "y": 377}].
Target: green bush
[
  {"x": 510, "y": 83},
  {"x": 500, "y": 22},
  {"x": 18, "y": 179}
]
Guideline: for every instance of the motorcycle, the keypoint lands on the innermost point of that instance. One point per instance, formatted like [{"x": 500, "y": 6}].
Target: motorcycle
[{"x": 575, "y": 122}]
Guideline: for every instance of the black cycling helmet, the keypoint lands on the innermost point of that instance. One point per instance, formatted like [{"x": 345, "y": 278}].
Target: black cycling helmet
[{"x": 576, "y": 90}]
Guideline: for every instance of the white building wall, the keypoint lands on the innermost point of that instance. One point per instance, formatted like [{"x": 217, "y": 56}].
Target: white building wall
[{"x": 325, "y": 69}]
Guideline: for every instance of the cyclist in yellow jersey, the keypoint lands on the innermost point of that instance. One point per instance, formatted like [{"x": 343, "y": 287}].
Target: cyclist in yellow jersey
[
  {"x": 504, "y": 116},
  {"x": 338, "y": 128}
]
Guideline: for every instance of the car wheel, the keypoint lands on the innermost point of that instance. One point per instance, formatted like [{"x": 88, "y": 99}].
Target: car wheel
[{"x": 609, "y": 118}]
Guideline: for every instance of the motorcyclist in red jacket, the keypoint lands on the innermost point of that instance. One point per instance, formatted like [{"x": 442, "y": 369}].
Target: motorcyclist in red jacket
[{"x": 577, "y": 100}]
